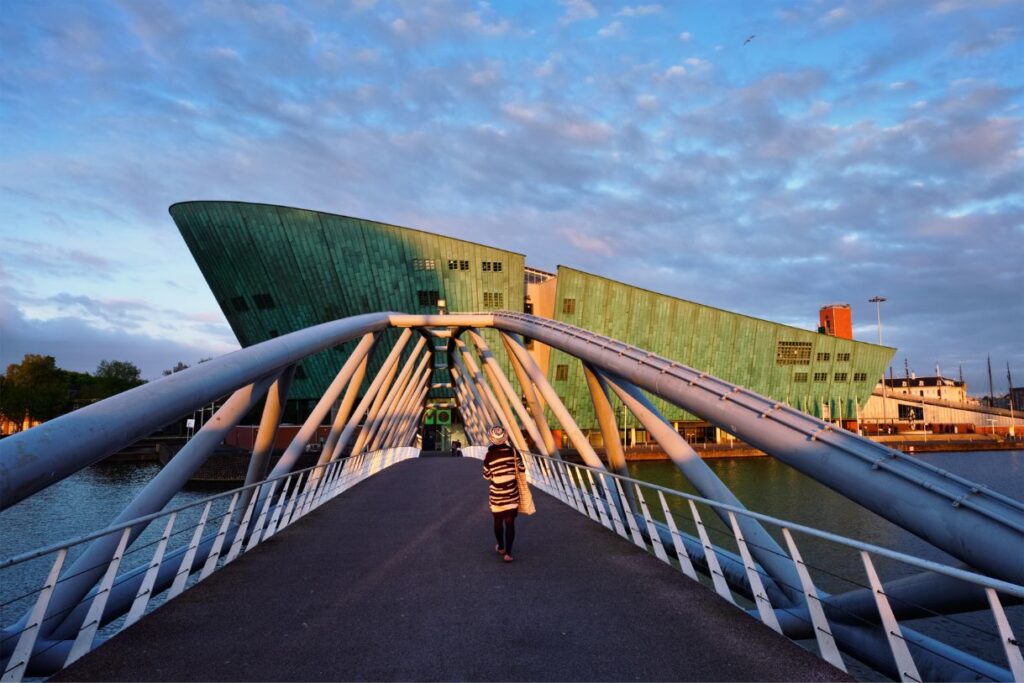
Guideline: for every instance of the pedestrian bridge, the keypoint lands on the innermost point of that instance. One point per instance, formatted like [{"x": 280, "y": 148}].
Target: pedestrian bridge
[{"x": 378, "y": 564}]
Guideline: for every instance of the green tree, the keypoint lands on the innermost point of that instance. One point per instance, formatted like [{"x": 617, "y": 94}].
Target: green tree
[
  {"x": 37, "y": 387},
  {"x": 119, "y": 371}
]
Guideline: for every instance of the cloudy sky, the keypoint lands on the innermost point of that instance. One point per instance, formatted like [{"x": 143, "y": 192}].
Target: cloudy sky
[{"x": 846, "y": 150}]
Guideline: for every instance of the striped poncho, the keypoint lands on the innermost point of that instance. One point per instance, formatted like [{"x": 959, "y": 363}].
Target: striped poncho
[{"x": 500, "y": 466}]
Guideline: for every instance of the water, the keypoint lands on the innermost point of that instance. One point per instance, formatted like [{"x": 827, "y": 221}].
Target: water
[
  {"x": 82, "y": 503},
  {"x": 768, "y": 486},
  {"x": 90, "y": 499}
]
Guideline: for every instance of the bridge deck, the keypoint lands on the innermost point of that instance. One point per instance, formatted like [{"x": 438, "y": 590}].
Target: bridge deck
[{"x": 397, "y": 579}]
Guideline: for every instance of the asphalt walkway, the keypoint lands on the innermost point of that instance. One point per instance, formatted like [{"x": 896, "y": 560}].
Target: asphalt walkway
[{"x": 397, "y": 579}]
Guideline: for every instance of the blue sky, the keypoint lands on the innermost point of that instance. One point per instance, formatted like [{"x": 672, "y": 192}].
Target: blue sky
[{"x": 849, "y": 149}]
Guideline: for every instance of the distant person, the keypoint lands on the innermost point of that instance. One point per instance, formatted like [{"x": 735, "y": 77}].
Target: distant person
[
  {"x": 456, "y": 449},
  {"x": 500, "y": 466}
]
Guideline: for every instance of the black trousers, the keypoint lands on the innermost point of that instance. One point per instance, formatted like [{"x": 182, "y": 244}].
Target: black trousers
[{"x": 505, "y": 529}]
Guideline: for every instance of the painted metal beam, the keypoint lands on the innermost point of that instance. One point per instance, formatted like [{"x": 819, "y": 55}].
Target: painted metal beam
[{"x": 34, "y": 459}]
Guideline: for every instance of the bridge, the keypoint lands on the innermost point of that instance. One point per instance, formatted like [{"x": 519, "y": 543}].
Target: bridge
[{"x": 734, "y": 601}]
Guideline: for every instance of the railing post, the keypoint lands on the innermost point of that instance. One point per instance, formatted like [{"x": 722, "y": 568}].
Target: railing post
[
  {"x": 18, "y": 662},
  {"x": 185, "y": 568},
  {"x": 146, "y": 587},
  {"x": 86, "y": 635},
  {"x": 897, "y": 643}
]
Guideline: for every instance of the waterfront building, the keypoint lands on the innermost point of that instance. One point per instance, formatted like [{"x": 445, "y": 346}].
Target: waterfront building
[
  {"x": 274, "y": 270},
  {"x": 939, "y": 388}
]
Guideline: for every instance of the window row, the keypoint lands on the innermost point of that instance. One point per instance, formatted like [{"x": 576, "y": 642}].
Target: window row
[
  {"x": 838, "y": 377},
  {"x": 263, "y": 302},
  {"x": 799, "y": 353},
  {"x": 457, "y": 264},
  {"x": 428, "y": 297},
  {"x": 494, "y": 300},
  {"x": 793, "y": 353}
]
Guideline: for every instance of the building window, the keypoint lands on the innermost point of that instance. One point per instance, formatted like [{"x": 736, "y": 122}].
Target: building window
[
  {"x": 494, "y": 299},
  {"x": 453, "y": 264},
  {"x": 824, "y": 355},
  {"x": 485, "y": 266},
  {"x": 425, "y": 264},
  {"x": 821, "y": 377},
  {"x": 463, "y": 265},
  {"x": 840, "y": 377},
  {"x": 568, "y": 305},
  {"x": 497, "y": 266},
  {"x": 860, "y": 377},
  {"x": 428, "y": 297},
  {"x": 239, "y": 303},
  {"x": 490, "y": 266},
  {"x": 561, "y": 372},
  {"x": 800, "y": 377},
  {"x": 793, "y": 353},
  {"x": 263, "y": 301},
  {"x": 843, "y": 357}
]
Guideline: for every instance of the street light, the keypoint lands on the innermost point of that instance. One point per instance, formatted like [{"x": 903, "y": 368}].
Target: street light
[{"x": 877, "y": 301}]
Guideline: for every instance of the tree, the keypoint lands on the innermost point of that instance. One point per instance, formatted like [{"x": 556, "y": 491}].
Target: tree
[
  {"x": 177, "y": 368},
  {"x": 36, "y": 387},
  {"x": 120, "y": 371}
]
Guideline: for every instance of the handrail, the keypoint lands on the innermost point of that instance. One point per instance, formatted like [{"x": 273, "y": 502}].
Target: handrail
[
  {"x": 1006, "y": 587},
  {"x": 54, "y": 547}
]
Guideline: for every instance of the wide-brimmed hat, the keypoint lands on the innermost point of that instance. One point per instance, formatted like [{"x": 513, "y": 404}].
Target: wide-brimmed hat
[{"x": 497, "y": 435}]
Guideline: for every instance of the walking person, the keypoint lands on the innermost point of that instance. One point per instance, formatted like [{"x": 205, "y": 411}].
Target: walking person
[{"x": 500, "y": 466}]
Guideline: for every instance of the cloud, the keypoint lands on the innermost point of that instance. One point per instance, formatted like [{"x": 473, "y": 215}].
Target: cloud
[
  {"x": 612, "y": 30},
  {"x": 639, "y": 10},
  {"x": 80, "y": 346},
  {"x": 647, "y": 164},
  {"x": 686, "y": 36},
  {"x": 577, "y": 10}
]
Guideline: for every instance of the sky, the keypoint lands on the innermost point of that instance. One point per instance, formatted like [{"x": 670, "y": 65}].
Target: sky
[{"x": 761, "y": 157}]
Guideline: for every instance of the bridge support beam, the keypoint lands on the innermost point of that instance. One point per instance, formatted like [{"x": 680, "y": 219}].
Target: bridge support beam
[
  {"x": 273, "y": 408},
  {"x": 576, "y": 436},
  {"x": 532, "y": 401},
  {"x": 344, "y": 411},
  {"x": 768, "y": 552},
  {"x": 499, "y": 407},
  {"x": 370, "y": 395},
  {"x": 394, "y": 394},
  {"x": 498, "y": 375},
  {"x": 92, "y": 563}
]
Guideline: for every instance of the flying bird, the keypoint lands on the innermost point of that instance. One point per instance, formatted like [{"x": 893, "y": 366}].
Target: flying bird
[{"x": 750, "y": 38}]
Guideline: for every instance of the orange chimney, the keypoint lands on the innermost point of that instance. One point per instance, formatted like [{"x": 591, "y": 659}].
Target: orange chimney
[{"x": 836, "y": 320}]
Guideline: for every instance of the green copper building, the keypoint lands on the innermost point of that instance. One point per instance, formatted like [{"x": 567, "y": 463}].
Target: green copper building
[{"x": 276, "y": 269}]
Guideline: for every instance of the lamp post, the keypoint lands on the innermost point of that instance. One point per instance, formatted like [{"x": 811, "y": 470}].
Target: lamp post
[{"x": 877, "y": 301}]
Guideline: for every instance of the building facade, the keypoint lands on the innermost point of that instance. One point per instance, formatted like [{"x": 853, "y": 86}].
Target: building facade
[{"x": 274, "y": 270}]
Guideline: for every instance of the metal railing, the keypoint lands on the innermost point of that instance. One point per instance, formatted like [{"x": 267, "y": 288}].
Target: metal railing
[
  {"x": 221, "y": 534},
  {"x": 602, "y": 496}
]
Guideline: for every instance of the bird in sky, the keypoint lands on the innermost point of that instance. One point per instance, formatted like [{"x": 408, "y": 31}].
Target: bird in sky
[{"x": 749, "y": 38}]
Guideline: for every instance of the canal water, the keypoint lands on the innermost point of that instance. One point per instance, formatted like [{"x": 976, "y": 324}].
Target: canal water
[{"x": 91, "y": 498}]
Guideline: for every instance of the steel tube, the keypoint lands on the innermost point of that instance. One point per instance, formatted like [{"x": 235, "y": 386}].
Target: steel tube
[
  {"x": 273, "y": 408},
  {"x": 370, "y": 395},
  {"x": 532, "y": 401},
  {"x": 90, "y": 565},
  {"x": 579, "y": 441},
  {"x": 977, "y": 530},
  {"x": 344, "y": 410},
  {"x": 323, "y": 407},
  {"x": 491, "y": 362},
  {"x": 34, "y": 459},
  {"x": 762, "y": 546}
]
